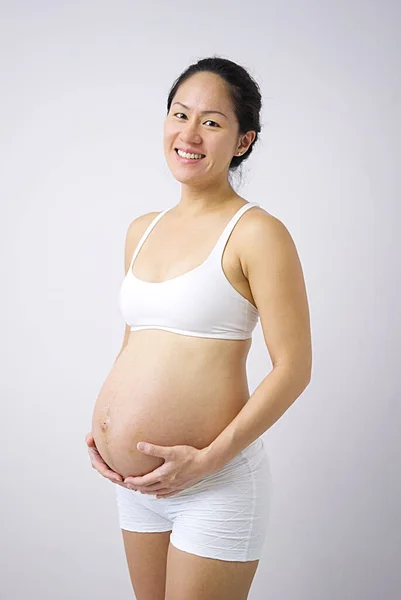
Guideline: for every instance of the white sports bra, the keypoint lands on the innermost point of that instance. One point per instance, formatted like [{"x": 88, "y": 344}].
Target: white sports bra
[{"x": 200, "y": 302}]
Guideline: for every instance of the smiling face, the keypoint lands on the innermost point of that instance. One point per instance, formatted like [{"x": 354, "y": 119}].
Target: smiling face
[{"x": 190, "y": 125}]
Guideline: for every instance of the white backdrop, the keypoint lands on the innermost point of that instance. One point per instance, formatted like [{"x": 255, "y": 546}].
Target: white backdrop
[{"x": 83, "y": 99}]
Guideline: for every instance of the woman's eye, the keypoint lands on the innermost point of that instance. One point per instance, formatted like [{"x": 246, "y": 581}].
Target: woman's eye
[{"x": 208, "y": 121}]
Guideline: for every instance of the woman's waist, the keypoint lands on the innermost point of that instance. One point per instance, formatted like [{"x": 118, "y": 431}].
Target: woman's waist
[
  {"x": 163, "y": 345},
  {"x": 161, "y": 395},
  {"x": 180, "y": 370}
]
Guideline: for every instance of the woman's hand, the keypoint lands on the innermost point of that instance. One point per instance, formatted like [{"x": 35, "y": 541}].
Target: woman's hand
[
  {"x": 99, "y": 464},
  {"x": 183, "y": 466}
]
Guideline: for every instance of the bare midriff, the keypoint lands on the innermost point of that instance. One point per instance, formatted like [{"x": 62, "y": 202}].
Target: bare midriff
[{"x": 168, "y": 389}]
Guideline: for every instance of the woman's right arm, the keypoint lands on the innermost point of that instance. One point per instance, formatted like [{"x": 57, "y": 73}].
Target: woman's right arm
[{"x": 134, "y": 233}]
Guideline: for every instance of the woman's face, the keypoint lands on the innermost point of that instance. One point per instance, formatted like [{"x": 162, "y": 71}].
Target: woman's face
[{"x": 212, "y": 134}]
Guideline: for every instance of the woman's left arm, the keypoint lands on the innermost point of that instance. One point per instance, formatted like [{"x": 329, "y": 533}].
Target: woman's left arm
[{"x": 272, "y": 266}]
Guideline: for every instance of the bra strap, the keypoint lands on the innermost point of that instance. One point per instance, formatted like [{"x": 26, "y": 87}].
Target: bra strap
[
  {"x": 146, "y": 233},
  {"x": 230, "y": 226},
  {"x": 219, "y": 247}
]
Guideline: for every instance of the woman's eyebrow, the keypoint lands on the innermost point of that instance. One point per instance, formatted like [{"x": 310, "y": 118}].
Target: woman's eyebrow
[{"x": 204, "y": 112}]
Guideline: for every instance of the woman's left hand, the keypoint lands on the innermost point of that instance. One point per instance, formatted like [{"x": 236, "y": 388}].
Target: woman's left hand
[{"x": 183, "y": 467}]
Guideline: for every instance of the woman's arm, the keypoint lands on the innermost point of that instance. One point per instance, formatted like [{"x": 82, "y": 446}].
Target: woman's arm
[{"x": 272, "y": 266}]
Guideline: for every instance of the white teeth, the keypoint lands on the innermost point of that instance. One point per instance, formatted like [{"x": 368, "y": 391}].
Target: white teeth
[{"x": 185, "y": 155}]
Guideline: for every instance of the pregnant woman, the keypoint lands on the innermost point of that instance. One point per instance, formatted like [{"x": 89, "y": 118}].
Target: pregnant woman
[{"x": 194, "y": 502}]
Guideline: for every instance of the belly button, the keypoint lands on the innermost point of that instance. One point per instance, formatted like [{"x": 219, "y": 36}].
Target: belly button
[{"x": 104, "y": 423}]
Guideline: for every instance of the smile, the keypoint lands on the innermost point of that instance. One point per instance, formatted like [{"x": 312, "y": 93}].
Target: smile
[{"x": 185, "y": 158}]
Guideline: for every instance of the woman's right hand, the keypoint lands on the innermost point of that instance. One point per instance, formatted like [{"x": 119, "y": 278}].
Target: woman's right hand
[{"x": 99, "y": 464}]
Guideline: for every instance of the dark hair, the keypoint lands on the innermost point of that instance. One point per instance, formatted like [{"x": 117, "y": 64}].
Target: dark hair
[{"x": 242, "y": 89}]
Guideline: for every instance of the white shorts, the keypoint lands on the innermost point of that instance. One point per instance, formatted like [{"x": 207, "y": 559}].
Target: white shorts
[{"x": 223, "y": 516}]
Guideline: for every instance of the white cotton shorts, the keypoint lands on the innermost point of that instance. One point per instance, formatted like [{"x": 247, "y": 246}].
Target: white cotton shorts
[{"x": 223, "y": 516}]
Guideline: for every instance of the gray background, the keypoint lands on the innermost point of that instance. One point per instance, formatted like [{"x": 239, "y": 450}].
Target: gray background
[{"x": 83, "y": 100}]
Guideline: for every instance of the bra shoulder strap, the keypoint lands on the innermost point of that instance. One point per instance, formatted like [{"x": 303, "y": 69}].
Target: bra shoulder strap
[
  {"x": 230, "y": 226},
  {"x": 146, "y": 233}
]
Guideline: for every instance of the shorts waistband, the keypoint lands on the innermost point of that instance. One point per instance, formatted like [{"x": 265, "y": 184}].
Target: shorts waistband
[
  {"x": 250, "y": 452},
  {"x": 253, "y": 449}
]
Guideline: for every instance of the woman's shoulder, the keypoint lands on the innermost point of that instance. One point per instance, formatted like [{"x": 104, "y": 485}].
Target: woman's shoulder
[
  {"x": 136, "y": 229},
  {"x": 140, "y": 223}
]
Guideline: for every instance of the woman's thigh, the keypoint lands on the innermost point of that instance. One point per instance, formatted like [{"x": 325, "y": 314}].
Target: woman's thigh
[
  {"x": 195, "y": 577},
  {"x": 146, "y": 536},
  {"x": 146, "y": 555}
]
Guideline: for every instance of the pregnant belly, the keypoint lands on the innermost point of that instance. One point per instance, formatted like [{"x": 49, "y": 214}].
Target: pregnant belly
[{"x": 164, "y": 405}]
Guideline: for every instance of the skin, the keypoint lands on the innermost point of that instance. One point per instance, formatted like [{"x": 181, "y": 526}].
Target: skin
[
  {"x": 269, "y": 270},
  {"x": 204, "y": 188},
  {"x": 270, "y": 266}
]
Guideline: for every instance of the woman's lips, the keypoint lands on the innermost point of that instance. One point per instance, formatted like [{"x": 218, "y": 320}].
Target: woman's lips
[{"x": 188, "y": 161}]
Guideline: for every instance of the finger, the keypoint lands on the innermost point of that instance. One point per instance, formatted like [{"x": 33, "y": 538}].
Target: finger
[
  {"x": 121, "y": 483},
  {"x": 97, "y": 460},
  {"x": 113, "y": 475},
  {"x": 154, "y": 487},
  {"x": 99, "y": 464},
  {"x": 95, "y": 452},
  {"x": 109, "y": 474},
  {"x": 144, "y": 480},
  {"x": 102, "y": 467}
]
